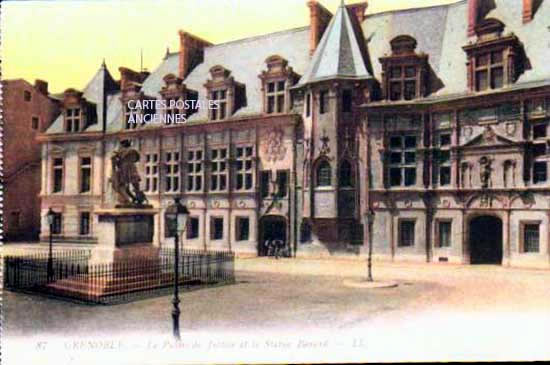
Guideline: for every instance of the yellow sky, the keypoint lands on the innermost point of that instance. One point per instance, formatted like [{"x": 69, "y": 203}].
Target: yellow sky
[{"x": 65, "y": 41}]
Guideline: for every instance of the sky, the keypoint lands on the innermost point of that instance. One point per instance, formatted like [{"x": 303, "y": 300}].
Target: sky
[{"x": 65, "y": 41}]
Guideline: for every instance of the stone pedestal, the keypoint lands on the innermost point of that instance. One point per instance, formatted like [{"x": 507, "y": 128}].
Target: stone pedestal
[{"x": 124, "y": 234}]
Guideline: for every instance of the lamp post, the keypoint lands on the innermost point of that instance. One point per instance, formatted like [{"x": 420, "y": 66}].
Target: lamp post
[
  {"x": 178, "y": 213},
  {"x": 50, "y": 217},
  {"x": 370, "y": 218}
]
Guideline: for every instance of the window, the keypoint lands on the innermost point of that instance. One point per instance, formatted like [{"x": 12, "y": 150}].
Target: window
[
  {"x": 540, "y": 172},
  {"x": 193, "y": 228},
  {"x": 402, "y": 81},
  {"x": 34, "y": 123},
  {"x": 244, "y": 168},
  {"x": 347, "y": 101},
  {"x": 531, "y": 237},
  {"x": 406, "y": 233},
  {"x": 323, "y": 101},
  {"x": 489, "y": 71},
  {"x": 275, "y": 97},
  {"x": 220, "y": 96},
  {"x": 243, "y": 228},
  {"x": 216, "y": 228},
  {"x": 151, "y": 172},
  {"x": 539, "y": 131},
  {"x": 444, "y": 139},
  {"x": 27, "y": 95},
  {"x": 346, "y": 175},
  {"x": 218, "y": 170},
  {"x": 57, "y": 224},
  {"x": 540, "y": 165},
  {"x": 402, "y": 160},
  {"x": 194, "y": 170},
  {"x": 172, "y": 109},
  {"x": 72, "y": 120},
  {"x": 57, "y": 175},
  {"x": 130, "y": 117},
  {"x": 84, "y": 223},
  {"x": 265, "y": 180},
  {"x": 172, "y": 174},
  {"x": 445, "y": 229},
  {"x": 444, "y": 166},
  {"x": 85, "y": 174},
  {"x": 15, "y": 220},
  {"x": 308, "y": 105},
  {"x": 324, "y": 172},
  {"x": 282, "y": 183}
]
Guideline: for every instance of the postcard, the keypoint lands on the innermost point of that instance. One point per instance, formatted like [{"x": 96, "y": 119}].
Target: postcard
[{"x": 276, "y": 181}]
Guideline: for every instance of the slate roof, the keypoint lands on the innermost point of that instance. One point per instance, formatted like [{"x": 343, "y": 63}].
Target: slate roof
[
  {"x": 441, "y": 33},
  {"x": 345, "y": 50},
  {"x": 98, "y": 90},
  {"x": 341, "y": 52}
]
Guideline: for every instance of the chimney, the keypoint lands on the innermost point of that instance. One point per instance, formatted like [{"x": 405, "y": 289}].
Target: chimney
[
  {"x": 359, "y": 10},
  {"x": 473, "y": 16},
  {"x": 41, "y": 86},
  {"x": 528, "y": 10},
  {"x": 127, "y": 76},
  {"x": 319, "y": 20},
  {"x": 191, "y": 53}
]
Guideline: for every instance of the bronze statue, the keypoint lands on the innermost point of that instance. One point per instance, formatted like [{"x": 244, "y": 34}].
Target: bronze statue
[{"x": 125, "y": 178}]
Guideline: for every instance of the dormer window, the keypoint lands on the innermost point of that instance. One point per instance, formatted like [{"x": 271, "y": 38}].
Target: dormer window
[
  {"x": 175, "y": 93},
  {"x": 130, "y": 117},
  {"x": 220, "y": 97},
  {"x": 276, "y": 81},
  {"x": 275, "y": 97},
  {"x": 493, "y": 61},
  {"x": 226, "y": 94},
  {"x": 72, "y": 120},
  {"x": 78, "y": 113},
  {"x": 405, "y": 73}
]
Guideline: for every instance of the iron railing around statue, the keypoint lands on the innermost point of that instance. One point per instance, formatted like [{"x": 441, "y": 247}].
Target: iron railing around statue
[{"x": 76, "y": 278}]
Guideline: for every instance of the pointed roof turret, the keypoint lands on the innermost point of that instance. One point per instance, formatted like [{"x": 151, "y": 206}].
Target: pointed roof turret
[{"x": 341, "y": 52}]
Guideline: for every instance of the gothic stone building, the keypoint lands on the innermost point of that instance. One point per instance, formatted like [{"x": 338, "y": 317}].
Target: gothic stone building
[{"x": 423, "y": 131}]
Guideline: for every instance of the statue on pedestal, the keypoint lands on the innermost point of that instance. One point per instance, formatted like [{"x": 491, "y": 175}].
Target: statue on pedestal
[{"x": 125, "y": 178}]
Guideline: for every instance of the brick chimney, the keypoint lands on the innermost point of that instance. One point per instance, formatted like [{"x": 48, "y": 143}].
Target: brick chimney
[
  {"x": 319, "y": 20},
  {"x": 473, "y": 16},
  {"x": 41, "y": 86},
  {"x": 191, "y": 52},
  {"x": 528, "y": 10},
  {"x": 128, "y": 76},
  {"x": 359, "y": 10}
]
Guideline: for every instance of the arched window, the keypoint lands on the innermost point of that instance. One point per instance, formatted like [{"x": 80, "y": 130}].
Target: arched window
[
  {"x": 324, "y": 174},
  {"x": 346, "y": 174}
]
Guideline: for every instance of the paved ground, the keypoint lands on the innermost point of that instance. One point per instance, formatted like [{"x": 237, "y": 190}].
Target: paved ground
[{"x": 298, "y": 310}]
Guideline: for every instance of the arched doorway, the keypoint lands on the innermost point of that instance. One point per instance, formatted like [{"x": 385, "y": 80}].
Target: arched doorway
[
  {"x": 486, "y": 240},
  {"x": 272, "y": 227}
]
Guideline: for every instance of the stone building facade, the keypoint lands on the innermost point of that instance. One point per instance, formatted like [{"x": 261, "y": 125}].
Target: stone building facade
[
  {"x": 27, "y": 111},
  {"x": 423, "y": 131}
]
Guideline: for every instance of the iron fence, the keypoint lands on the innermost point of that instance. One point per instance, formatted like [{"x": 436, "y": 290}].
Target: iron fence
[{"x": 75, "y": 278}]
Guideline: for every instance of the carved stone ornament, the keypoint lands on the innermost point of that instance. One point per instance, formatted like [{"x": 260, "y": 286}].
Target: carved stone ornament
[
  {"x": 511, "y": 128},
  {"x": 485, "y": 171},
  {"x": 489, "y": 135},
  {"x": 325, "y": 148},
  {"x": 273, "y": 147}
]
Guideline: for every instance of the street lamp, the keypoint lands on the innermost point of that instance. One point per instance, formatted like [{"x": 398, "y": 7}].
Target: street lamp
[
  {"x": 370, "y": 219},
  {"x": 50, "y": 217},
  {"x": 179, "y": 214}
]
